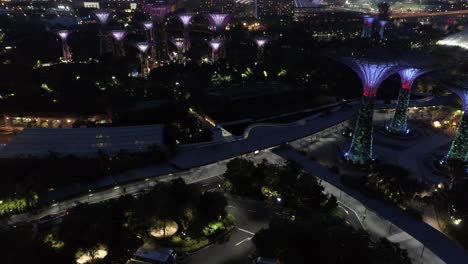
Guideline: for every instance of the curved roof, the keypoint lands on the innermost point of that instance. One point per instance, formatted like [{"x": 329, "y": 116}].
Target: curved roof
[{"x": 459, "y": 39}]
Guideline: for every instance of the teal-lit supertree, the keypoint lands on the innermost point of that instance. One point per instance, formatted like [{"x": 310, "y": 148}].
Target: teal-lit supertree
[
  {"x": 372, "y": 73},
  {"x": 459, "y": 147},
  {"x": 399, "y": 122}
]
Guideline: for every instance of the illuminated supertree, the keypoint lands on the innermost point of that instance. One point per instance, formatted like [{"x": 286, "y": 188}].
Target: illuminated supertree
[
  {"x": 218, "y": 21},
  {"x": 158, "y": 13},
  {"x": 215, "y": 45},
  {"x": 382, "y": 28},
  {"x": 63, "y": 34},
  {"x": 148, "y": 26},
  {"x": 371, "y": 73},
  {"x": 105, "y": 40},
  {"x": 119, "y": 36},
  {"x": 399, "y": 121},
  {"x": 459, "y": 148},
  {"x": 180, "y": 45},
  {"x": 185, "y": 20},
  {"x": 367, "y": 26},
  {"x": 143, "y": 48},
  {"x": 260, "y": 42}
]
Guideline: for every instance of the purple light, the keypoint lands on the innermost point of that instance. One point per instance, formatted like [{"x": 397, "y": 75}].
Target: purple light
[
  {"x": 218, "y": 20},
  {"x": 261, "y": 42},
  {"x": 215, "y": 44},
  {"x": 185, "y": 19},
  {"x": 102, "y": 16},
  {"x": 179, "y": 43},
  {"x": 147, "y": 25},
  {"x": 463, "y": 94},
  {"x": 383, "y": 23},
  {"x": 63, "y": 34},
  {"x": 368, "y": 21},
  {"x": 371, "y": 73},
  {"x": 158, "y": 12},
  {"x": 409, "y": 75},
  {"x": 142, "y": 46},
  {"x": 119, "y": 35}
]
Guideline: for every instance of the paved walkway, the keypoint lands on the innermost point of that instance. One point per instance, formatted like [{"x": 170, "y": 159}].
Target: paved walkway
[{"x": 418, "y": 237}]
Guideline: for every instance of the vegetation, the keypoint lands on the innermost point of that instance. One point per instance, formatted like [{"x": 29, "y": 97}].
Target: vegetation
[
  {"x": 316, "y": 238},
  {"x": 286, "y": 184}
]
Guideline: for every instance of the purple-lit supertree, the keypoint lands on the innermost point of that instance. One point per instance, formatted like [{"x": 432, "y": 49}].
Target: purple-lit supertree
[
  {"x": 215, "y": 45},
  {"x": 158, "y": 12},
  {"x": 105, "y": 40},
  {"x": 185, "y": 20},
  {"x": 179, "y": 43},
  {"x": 367, "y": 26},
  {"x": 459, "y": 148},
  {"x": 63, "y": 34},
  {"x": 382, "y": 28},
  {"x": 143, "y": 48},
  {"x": 119, "y": 36},
  {"x": 260, "y": 42},
  {"x": 372, "y": 73},
  {"x": 399, "y": 122},
  {"x": 218, "y": 22},
  {"x": 148, "y": 26}
]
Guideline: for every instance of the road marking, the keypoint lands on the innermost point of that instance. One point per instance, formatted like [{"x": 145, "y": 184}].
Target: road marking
[
  {"x": 242, "y": 241},
  {"x": 344, "y": 209},
  {"x": 357, "y": 216},
  {"x": 246, "y": 231}
]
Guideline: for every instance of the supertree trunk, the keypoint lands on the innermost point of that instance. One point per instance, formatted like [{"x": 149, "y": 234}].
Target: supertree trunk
[
  {"x": 459, "y": 148},
  {"x": 399, "y": 122},
  {"x": 360, "y": 151}
]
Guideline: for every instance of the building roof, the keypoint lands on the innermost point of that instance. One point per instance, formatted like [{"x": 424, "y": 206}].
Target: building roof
[
  {"x": 307, "y": 3},
  {"x": 82, "y": 141},
  {"x": 161, "y": 255}
]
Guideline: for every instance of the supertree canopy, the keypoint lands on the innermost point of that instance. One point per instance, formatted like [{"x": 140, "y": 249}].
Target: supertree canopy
[
  {"x": 185, "y": 19},
  {"x": 180, "y": 45},
  {"x": 63, "y": 34},
  {"x": 103, "y": 16},
  {"x": 260, "y": 42},
  {"x": 147, "y": 25},
  {"x": 399, "y": 121},
  {"x": 459, "y": 148},
  {"x": 158, "y": 12},
  {"x": 118, "y": 35},
  {"x": 142, "y": 46},
  {"x": 371, "y": 73},
  {"x": 218, "y": 21}
]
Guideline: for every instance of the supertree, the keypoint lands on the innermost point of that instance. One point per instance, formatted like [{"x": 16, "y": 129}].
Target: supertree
[
  {"x": 260, "y": 42},
  {"x": 185, "y": 20},
  {"x": 105, "y": 40},
  {"x": 158, "y": 13},
  {"x": 218, "y": 22},
  {"x": 372, "y": 73},
  {"x": 382, "y": 28},
  {"x": 367, "y": 26},
  {"x": 459, "y": 148},
  {"x": 148, "y": 26},
  {"x": 179, "y": 43},
  {"x": 143, "y": 48},
  {"x": 119, "y": 36},
  {"x": 63, "y": 34},
  {"x": 399, "y": 122},
  {"x": 215, "y": 44}
]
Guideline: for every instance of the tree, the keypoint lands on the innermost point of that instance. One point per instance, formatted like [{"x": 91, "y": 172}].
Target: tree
[{"x": 212, "y": 206}]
